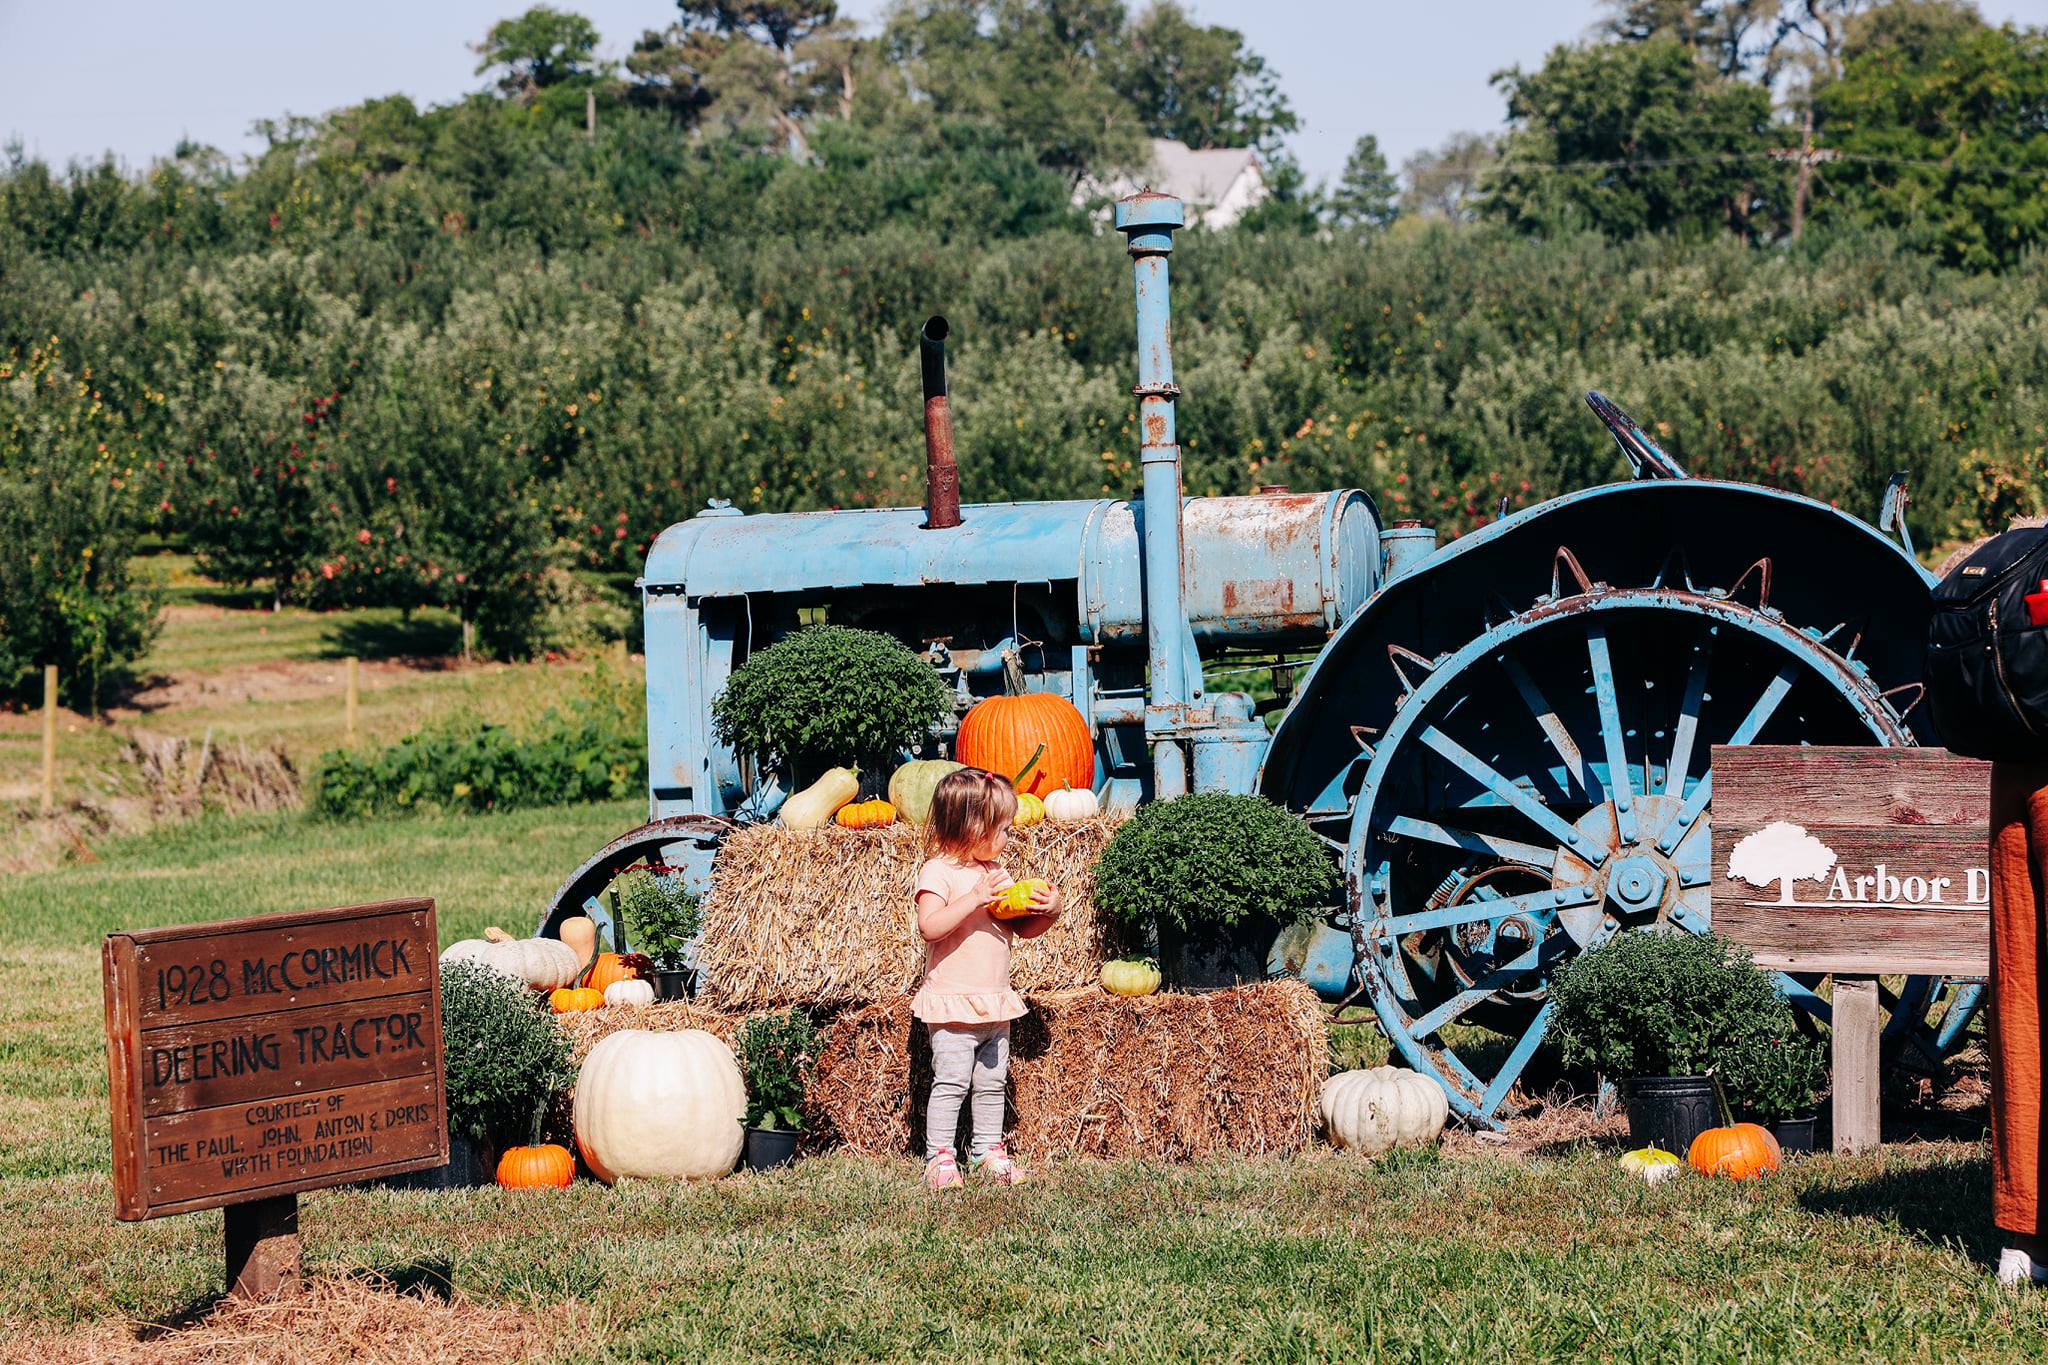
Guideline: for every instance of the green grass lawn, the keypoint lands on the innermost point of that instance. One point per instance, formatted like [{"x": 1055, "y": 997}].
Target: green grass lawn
[{"x": 1475, "y": 1255}]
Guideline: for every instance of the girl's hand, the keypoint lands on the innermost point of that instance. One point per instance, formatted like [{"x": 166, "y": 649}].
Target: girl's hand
[
  {"x": 1046, "y": 901},
  {"x": 995, "y": 882}
]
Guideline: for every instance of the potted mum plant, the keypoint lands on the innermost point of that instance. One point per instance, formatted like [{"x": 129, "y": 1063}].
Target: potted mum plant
[
  {"x": 1775, "y": 1076},
  {"x": 505, "y": 1059},
  {"x": 776, "y": 1053},
  {"x": 662, "y": 919},
  {"x": 1214, "y": 874},
  {"x": 1659, "y": 1012}
]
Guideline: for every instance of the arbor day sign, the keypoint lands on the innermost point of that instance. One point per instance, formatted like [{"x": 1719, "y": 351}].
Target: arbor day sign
[{"x": 1854, "y": 860}]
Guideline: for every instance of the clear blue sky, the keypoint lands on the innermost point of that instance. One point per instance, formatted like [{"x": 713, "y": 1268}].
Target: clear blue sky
[{"x": 130, "y": 77}]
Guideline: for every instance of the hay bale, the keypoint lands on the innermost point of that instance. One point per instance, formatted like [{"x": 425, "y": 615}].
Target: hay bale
[
  {"x": 586, "y": 1027},
  {"x": 1164, "y": 1077},
  {"x": 824, "y": 917}
]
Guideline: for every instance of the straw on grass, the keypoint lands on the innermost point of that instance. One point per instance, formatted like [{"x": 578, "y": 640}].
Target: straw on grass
[
  {"x": 824, "y": 917},
  {"x": 1164, "y": 1077}
]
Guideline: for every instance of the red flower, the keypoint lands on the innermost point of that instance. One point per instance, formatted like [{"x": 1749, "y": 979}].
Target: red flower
[{"x": 363, "y": 536}]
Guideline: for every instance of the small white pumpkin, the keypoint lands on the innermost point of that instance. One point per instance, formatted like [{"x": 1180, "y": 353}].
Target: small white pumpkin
[
  {"x": 1070, "y": 804},
  {"x": 631, "y": 991},
  {"x": 659, "y": 1105},
  {"x": 1384, "y": 1107},
  {"x": 542, "y": 963}
]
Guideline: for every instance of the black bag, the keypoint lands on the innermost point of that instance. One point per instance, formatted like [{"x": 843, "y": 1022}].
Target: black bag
[{"x": 1987, "y": 663}]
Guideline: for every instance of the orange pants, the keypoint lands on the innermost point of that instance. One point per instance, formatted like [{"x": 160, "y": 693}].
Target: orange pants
[{"x": 2019, "y": 938}]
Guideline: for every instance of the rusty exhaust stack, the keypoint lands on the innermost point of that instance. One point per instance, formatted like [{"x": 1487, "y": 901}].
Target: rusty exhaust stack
[{"x": 941, "y": 475}]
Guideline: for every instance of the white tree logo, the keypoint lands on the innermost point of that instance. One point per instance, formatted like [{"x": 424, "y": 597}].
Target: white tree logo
[{"x": 1780, "y": 852}]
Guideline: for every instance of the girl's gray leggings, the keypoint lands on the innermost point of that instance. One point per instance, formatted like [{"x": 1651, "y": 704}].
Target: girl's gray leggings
[{"x": 967, "y": 1057}]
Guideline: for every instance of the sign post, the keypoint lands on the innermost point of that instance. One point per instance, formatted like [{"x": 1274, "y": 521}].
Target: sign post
[
  {"x": 1859, "y": 863},
  {"x": 251, "y": 1059}
]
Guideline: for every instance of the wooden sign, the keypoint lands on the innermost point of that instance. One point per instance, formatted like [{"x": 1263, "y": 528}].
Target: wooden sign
[
  {"x": 1857, "y": 860},
  {"x": 1860, "y": 863},
  {"x": 251, "y": 1059}
]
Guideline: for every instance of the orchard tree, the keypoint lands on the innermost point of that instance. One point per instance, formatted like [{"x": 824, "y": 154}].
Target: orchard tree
[{"x": 1633, "y": 138}]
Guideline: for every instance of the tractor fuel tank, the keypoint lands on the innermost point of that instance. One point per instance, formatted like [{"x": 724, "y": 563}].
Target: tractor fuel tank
[{"x": 1266, "y": 567}]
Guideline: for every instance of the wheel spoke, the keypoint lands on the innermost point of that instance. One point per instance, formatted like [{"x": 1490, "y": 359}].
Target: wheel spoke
[
  {"x": 1509, "y": 850},
  {"x": 1682, "y": 823},
  {"x": 1553, "y": 730},
  {"x": 1498, "y": 979},
  {"x": 1473, "y": 911},
  {"x": 1517, "y": 1060},
  {"x": 1480, "y": 771},
  {"x": 1682, "y": 739},
  {"x": 1611, "y": 736},
  {"x": 1760, "y": 714}
]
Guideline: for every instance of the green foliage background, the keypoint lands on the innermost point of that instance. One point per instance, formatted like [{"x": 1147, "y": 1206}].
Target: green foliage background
[
  {"x": 1204, "y": 862},
  {"x": 414, "y": 356}
]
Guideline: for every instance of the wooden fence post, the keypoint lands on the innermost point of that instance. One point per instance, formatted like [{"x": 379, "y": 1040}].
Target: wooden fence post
[
  {"x": 1856, "y": 1024},
  {"x": 262, "y": 1246},
  {"x": 49, "y": 738},
  {"x": 353, "y": 690}
]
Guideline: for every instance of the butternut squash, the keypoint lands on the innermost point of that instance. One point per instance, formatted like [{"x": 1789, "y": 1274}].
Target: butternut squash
[{"x": 813, "y": 806}]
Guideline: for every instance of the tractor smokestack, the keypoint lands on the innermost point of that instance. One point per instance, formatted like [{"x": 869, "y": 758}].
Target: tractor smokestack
[{"x": 941, "y": 475}]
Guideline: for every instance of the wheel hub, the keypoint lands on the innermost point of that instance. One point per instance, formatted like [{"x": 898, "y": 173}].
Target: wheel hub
[{"x": 1637, "y": 883}]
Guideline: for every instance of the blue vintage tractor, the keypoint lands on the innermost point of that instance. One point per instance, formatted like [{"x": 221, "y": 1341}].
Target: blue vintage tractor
[{"x": 1504, "y": 740}]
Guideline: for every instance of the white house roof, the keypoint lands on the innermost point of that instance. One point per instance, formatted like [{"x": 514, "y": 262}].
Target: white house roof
[{"x": 1218, "y": 184}]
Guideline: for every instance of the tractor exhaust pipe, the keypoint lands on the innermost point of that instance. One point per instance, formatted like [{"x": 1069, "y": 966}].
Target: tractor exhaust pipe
[{"x": 941, "y": 474}]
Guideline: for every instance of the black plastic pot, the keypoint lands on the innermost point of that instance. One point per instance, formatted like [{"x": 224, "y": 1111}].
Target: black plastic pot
[
  {"x": 671, "y": 983},
  {"x": 1670, "y": 1111},
  {"x": 470, "y": 1164},
  {"x": 768, "y": 1148},
  {"x": 1795, "y": 1135}
]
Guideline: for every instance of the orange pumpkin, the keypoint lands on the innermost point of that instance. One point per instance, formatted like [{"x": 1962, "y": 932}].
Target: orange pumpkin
[
  {"x": 1036, "y": 739},
  {"x": 865, "y": 814},
  {"x": 608, "y": 967},
  {"x": 571, "y": 999},
  {"x": 527, "y": 1168},
  {"x": 1740, "y": 1151}
]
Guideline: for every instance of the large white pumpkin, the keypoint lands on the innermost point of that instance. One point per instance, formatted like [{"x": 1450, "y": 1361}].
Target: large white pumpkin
[
  {"x": 660, "y": 1104},
  {"x": 542, "y": 963},
  {"x": 1383, "y": 1107}
]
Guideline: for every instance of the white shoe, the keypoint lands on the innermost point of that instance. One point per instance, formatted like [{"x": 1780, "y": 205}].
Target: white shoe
[{"x": 2016, "y": 1268}]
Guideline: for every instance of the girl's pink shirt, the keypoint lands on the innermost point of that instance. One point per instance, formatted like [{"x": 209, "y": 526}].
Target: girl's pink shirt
[{"x": 967, "y": 973}]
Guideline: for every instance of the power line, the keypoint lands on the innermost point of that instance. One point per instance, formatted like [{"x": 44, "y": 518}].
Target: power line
[{"x": 1724, "y": 158}]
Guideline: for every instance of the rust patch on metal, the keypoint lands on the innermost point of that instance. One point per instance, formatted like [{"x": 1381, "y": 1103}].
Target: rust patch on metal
[{"x": 1259, "y": 596}]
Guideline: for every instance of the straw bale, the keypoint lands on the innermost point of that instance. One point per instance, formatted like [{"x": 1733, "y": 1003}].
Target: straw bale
[
  {"x": 824, "y": 917},
  {"x": 586, "y": 1027},
  {"x": 1164, "y": 1077},
  {"x": 331, "y": 1319}
]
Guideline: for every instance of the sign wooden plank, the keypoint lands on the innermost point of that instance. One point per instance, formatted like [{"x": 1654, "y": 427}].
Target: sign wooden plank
[
  {"x": 256, "y": 1058},
  {"x": 1856, "y": 860}
]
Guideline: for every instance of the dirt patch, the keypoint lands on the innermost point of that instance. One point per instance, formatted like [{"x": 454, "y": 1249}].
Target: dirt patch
[
  {"x": 331, "y": 1319},
  {"x": 1551, "y": 1126}
]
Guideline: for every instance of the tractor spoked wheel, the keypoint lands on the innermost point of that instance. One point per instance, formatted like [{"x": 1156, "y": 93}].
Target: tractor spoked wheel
[{"x": 1546, "y": 787}]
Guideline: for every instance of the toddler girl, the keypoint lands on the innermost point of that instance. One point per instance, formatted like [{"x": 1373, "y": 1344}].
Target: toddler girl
[{"x": 966, "y": 1001}]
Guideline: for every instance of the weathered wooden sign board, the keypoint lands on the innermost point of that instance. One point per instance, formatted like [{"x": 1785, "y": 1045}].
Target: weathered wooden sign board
[
  {"x": 251, "y": 1059},
  {"x": 1859, "y": 862}
]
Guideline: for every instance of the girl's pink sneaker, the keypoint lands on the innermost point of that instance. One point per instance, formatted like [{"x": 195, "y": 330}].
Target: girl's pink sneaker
[
  {"x": 942, "y": 1172},
  {"x": 996, "y": 1164}
]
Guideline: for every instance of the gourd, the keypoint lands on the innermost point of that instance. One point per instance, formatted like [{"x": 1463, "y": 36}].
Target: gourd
[
  {"x": 1069, "y": 804},
  {"x": 911, "y": 786},
  {"x": 1036, "y": 739},
  {"x": 659, "y": 1104},
  {"x": 1130, "y": 976},
  {"x": 1740, "y": 1151},
  {"x": 607, "y": 971},
  {"x": 1030, "y": 811},
  {"x": 574, "y": 999},
  {"x": 814, "y": 805},
  {"x": 629, "y": 991},
  {"x": 580, "y": 933},
  {"x": 542, "y": 963},
  {"x": 1653, "y": 1164},
  {"x": 1381, "y": 1108},
  {"x": 1015, "y": 902},
  {"x": 546, "y": 1165},
  {"x": 865, "y": 815}
]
